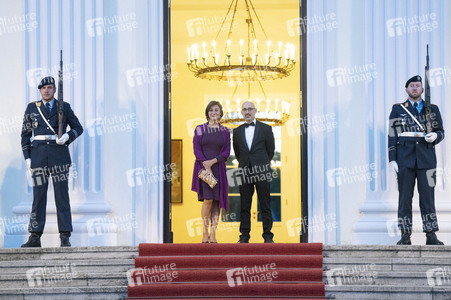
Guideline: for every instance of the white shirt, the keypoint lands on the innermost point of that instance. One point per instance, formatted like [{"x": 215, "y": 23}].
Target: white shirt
[{"x": 249, "y": 134}]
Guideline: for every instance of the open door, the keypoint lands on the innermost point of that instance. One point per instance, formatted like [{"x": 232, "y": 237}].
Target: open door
[{"x": 194, "y": 22}]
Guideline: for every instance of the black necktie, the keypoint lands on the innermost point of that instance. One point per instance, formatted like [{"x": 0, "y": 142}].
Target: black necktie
[
  {"x": 249, "y": 124},
  {"x": 47, "y": 106}
]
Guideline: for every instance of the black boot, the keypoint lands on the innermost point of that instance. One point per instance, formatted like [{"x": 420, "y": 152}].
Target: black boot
[
  {"x": 64, "y": 237},
  {"x": 33, "y": 241},
  {"x": 405, "y": 238},
  {"x": 431, "y": 239}
]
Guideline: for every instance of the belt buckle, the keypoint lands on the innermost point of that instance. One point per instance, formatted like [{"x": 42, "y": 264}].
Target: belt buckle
[{"x": 48, "y": 137}]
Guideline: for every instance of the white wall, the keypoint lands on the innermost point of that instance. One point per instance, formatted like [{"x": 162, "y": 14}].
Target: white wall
[
  {"x": 108, "y": 46},
  {"x": 368, "y": 38}
]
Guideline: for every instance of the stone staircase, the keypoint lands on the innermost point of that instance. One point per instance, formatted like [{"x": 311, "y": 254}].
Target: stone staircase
[
  {"x": 65, "y": 273},
  {"x": 388, "y": 272},
  {"x": 351, "y": 272}
]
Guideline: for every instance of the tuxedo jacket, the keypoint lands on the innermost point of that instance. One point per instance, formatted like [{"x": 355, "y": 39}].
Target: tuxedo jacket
[
  {"x": 411, "y": 152},
  {"x": 262, "y": 149}
]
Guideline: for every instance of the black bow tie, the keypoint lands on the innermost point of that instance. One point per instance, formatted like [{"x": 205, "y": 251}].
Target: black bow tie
[{"x": 249, "y": 124}]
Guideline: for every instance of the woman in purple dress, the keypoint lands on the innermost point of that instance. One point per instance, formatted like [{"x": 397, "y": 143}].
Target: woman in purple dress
[{"x": 211, "y": 145}]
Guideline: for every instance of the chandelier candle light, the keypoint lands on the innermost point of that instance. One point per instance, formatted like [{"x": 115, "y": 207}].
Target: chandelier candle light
[
  {"x": 272, "y": 114},
  {"x": 245, "y": 60},
  {"x": 246, "y": 67}
]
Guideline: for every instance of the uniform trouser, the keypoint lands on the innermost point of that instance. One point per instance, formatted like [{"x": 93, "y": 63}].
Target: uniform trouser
[
  {"x": 263, "y": 193},
  {"x": 425, "y": 184},
  {"x": 40, "y": 179}
]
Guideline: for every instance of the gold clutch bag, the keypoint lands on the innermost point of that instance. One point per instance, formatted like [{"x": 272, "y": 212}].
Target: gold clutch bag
[{"x": 208, "y": 179}]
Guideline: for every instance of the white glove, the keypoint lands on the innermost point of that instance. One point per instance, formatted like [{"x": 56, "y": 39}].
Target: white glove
[
  {"x": 430, "y": 137},
  {"x": 63, "y": 139},
  {"x": 28, "y": 162},
  {"x": 394, "y": 166}
]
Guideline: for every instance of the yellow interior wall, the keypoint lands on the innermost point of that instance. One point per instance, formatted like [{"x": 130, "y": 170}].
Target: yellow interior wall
[{"x": 190, "y": 95}]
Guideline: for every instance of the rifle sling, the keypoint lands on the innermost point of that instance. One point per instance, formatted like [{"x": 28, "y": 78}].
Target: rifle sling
[{"x": 416, "y": 121}]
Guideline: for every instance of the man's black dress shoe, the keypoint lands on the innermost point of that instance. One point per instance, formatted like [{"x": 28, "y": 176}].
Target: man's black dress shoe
[
  {"x": 64, "y": 237},
  {"x": 431, "y": 239},
  {"x": 33, "y": 241},
  {"x": 405, "y": 238}
]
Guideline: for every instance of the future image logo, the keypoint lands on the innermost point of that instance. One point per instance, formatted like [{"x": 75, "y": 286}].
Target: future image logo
[
  {"x": 352, "y": 275},
  {"x": 50, "y": 275},
  {"x": 347, "y": 75},
  {"x": 146, "y": 75},
  {"x": 154, "y": 274},
  {"x": 246, "y": 275},
  {"x": 208, "y": 24},
  {"x": 439, "y": 76},
  {"x": 439, "y": 276},
  {"x": 194, "y": 227},
  {"x": 235, "y": 177},
  {"x": 18, "y": 23},
  {"x": 415, "y": 24},
  {"x": 106, "y": 25},
  {"x": 313, "y": 24},
  {"x": 340, "y": 176},
  {"x": 35, "y": 75}
]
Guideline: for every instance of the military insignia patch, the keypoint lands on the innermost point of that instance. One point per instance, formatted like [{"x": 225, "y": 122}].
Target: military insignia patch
[
  {"x": 38, "y": 104},
  {"x": 406, "y": 105}
]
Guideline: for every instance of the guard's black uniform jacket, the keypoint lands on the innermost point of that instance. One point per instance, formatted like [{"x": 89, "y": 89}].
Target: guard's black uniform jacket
[
  {"x": 413, "y": 152},
  {"x": 416, "y": 160},
  {"x": 49, "y": 158},
  {"x": 47, "y": 153}
]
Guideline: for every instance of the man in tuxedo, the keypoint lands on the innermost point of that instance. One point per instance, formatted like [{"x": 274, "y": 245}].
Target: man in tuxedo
[
  {"x": 47, "y": 155},
  {"x": 253, "y": 143},
  {"x": 411, "y": 154}
]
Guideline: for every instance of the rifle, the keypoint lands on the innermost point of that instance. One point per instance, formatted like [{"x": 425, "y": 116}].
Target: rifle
[
  {"x": 60, "y": 98},
  {"x": 427, "y": 93}
]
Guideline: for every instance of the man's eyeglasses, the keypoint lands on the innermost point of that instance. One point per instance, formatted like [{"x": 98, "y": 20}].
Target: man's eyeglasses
[{"x": 248, "y": 109}]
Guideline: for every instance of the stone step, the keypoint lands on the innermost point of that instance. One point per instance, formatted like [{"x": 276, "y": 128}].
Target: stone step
[
  {"x": 386, "y": 278},
  {"x": 388, "y": 292},
  {"x": 351, "y": 272},
  {"x": 387, "y": 272},
  {"x": 71, "y": 253},
  {"x": 65, "y": 293},
  {"x": 100, "y": 266},
  {"x": 120, "y": 279},
  {"x": 70, "y": 279},
  {"x": 385, "y": 251},
  {"x": 388, "y": 264}
]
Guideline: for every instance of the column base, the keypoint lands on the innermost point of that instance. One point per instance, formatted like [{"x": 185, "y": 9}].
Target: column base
[
  {"x": 379, "y": 224},
  {"x": 91, "y": 226}
]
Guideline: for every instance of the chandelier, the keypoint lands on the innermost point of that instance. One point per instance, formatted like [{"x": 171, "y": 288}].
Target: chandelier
[
  {"x": 244, "y": 61},
  {"x": 270, "y": 112}
]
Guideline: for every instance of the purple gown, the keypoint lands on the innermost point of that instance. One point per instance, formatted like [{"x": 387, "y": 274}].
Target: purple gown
[
  {"x": 212, "y": 143},
  {"x": 221, "y": 157}
]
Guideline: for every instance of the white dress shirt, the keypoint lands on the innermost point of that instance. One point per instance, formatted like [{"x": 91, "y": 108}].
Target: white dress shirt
[{"x": 249, "y": 134}]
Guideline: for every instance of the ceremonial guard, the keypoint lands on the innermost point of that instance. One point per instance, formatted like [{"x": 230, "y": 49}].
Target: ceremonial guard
[
  {"x": 47, "y": 155},
  {"x": 415, "y": 129}
]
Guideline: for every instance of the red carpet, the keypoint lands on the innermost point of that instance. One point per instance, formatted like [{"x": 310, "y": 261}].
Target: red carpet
[{"x": 221, "y": 271}]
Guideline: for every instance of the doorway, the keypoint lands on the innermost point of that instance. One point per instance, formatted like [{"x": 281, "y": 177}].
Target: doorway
[{"x": 188, "y": 98}]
